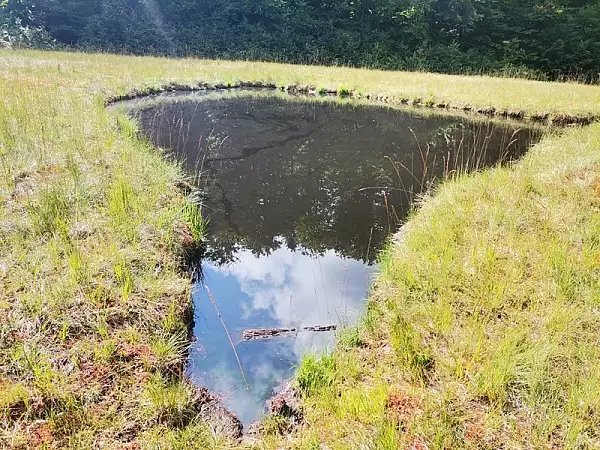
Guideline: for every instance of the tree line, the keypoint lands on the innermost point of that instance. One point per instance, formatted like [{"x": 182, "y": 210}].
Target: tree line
[{"x": 548, "y": 39}]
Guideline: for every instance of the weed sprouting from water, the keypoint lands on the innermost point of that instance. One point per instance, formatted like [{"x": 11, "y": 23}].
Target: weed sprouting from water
[
  {"x": 461, "y": 156},
  {"x": 192, "y": 213}
]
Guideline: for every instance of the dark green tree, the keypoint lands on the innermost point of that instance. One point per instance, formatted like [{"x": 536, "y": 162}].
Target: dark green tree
[{"x": 541, "y": 38}]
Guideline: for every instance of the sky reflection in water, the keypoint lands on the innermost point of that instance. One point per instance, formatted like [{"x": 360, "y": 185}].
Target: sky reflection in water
[
  {"x": 301, "y": 196},
  {"x": 285, "y": 288}
]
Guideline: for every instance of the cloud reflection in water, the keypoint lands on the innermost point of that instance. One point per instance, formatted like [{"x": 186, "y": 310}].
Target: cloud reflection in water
[{"x": 284, "y": 288}]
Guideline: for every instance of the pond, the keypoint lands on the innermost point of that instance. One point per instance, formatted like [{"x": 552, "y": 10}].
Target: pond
[{"x": 301, "y": 196}]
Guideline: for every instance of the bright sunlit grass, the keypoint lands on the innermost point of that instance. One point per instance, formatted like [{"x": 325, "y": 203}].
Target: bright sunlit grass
[
  {"x": 483, "y": 325},
  {"x": 88, "y": 215},
  {"x": 482, "y": 331}
]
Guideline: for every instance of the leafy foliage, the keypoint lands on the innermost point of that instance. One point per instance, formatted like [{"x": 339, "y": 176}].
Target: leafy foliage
[
  {"x": 534, "y": 38},
  {"x": 18, "y": 27}
]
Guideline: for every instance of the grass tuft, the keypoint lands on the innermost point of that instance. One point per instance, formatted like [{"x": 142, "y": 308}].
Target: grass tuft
[
  {"x": 50, "y": 213},
  {"x": 170, "y": 351},
  {"x": 350, "y": 337},
  {"x": 192, "y": 213},
  {"x": 170, "y": 403},
  {"x": 315, "y": 373}
]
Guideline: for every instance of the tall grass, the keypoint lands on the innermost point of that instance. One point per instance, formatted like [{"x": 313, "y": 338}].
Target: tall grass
[
  {"x": 51, "y": 212},
  {"x": 89, "y": 260},
  {"x": 192, "y": 214},
  {"x": 496, "y": 275},
  {"x": 482, "y": 323}
]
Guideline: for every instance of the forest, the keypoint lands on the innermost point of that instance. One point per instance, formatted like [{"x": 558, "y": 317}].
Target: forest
[{"x": 547, "y": 39}]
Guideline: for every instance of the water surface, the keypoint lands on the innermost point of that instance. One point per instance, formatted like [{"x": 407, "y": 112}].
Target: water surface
[{"x": 301, "y": 196}]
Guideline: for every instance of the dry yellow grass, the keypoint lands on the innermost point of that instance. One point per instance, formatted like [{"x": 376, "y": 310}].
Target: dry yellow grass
[{"x": 111, "y": 74}]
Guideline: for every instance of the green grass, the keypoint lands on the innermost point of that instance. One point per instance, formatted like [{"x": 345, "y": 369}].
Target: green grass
[
  {"x": 485, "y": 317},
  {"x": 93, "y": 297},
  {"x": 482, "y": 327}
]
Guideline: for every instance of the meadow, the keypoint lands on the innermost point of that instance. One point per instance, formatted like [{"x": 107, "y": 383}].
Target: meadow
[{"x": 482, "y": 327}]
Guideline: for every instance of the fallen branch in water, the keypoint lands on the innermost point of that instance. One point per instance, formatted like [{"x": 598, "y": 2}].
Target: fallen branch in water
[{"x": 265, "y": 333}]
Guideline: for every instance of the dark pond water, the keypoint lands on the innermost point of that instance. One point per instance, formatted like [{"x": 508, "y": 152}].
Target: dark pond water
[{"x": 301, "y": 196}]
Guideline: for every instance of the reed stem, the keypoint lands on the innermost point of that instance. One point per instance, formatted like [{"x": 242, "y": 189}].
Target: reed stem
[{"x": 214, "y": 303}]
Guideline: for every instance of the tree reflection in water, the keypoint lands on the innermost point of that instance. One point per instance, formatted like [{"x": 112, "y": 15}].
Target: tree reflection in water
[
  {"x": 320, "y": 175},
  {"x": 301, "y": 196}
]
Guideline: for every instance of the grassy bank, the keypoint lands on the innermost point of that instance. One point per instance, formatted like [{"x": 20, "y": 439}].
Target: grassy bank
[
  {"x": 481, "y": 331},
  {"x": 94, "y": 303}
]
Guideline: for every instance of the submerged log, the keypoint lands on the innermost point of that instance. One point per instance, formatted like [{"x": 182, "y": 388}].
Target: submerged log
[
  {"x": 265, "y": 333},
  {"x": 320, "y": 328}
]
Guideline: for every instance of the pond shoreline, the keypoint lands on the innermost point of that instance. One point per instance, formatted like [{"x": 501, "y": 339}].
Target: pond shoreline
[
  {"x": 102, "y": 376},
  {"x": 313, "y": 137},
  {"x": 371, "y": 98}
]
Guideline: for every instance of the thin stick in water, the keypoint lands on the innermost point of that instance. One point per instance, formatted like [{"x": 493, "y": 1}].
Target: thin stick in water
[
  {"x": 212, "y": 299},
  {"x": 369, "y": 246}
]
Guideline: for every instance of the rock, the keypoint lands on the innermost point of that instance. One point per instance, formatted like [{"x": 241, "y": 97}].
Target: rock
[
  {"x": 252, "y": 434},
  {"x": 286, "y": 403},
  {"x": 216, "y": 416},
  {"x": 253, "y": 429},
  {"x": 174, "y": 86}
]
